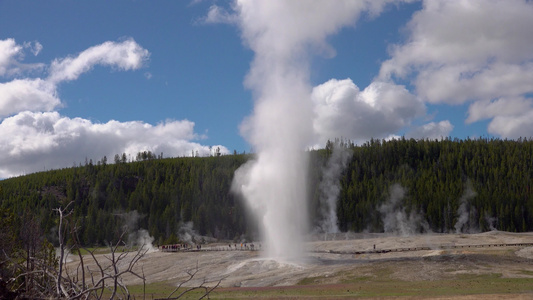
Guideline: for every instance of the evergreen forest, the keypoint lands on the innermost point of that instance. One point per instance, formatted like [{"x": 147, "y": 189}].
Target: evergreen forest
[{"x": 483, "y": 183}]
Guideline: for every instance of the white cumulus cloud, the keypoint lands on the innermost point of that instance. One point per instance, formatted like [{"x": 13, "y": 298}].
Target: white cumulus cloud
[
  {"x": 381, "y": 109},
  {"x": 514, "y": 127},
  {"x": 510, "y": 117},
  {"x": 33, "y": 141},
  {"x": 8, "y": 52},
  {"x": 34, "y": 136},
  {"x": 471, "y": 51},
  {"x": 27, "y": 94},
  {"x": 509, "y": 107}
]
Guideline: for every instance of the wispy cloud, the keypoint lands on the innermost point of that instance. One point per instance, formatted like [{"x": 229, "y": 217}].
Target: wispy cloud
[
  {"x": 126, "y": 55},
  {"x": 217, "y": 14},
  {"x": 12, "y": 54},
  {"x": 35, "y": 47}
]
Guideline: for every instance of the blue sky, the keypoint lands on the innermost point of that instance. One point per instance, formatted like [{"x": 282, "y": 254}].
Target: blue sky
[
  {"x": 196, "y": 70},
  {"x": 84, "y": 79}
]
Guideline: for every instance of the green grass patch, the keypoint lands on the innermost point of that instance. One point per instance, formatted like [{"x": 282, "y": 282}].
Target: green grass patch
[
  {"x": 378, "y": 274},
  {"x": 380, "y": 284},
  {"x": 526, "y": 272},
  {"x": 460, "y": 285},
  {"x": 152, "y": 290},
  {"x": 292, "y": 292},
  {"x": 311, "y": 280},
  {"x": 385, "y": 286},
  {"x": 95, "y": 250},
  {"x": 103, "y": 250},
  {"x": 157, "y": 290},
  {"x": 449, "y": 270}
]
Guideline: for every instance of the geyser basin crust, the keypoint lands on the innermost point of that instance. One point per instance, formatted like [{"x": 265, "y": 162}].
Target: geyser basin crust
[{"x": 247, "y": 268}]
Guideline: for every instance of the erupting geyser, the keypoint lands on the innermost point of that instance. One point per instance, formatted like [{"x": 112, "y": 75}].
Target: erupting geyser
[
  {"x": 282, "y": 35},
  {"x": 274, "y": 183}
]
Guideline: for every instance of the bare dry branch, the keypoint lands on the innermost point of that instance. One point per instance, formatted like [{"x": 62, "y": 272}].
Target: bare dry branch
[{"x": 191, "y": 273}]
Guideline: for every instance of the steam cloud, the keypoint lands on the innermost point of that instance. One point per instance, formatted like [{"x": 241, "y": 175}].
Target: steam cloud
[
  {"x": 466, "y": 212},
  {"x": 143, "y": 239},
  {"x": 187, "y": 234},
  {"x": 395, "y": 218},
  {"x": 140, "y": 237},
  {"x": 330, "y": 188},
  {"x": 491, "y": 221}
]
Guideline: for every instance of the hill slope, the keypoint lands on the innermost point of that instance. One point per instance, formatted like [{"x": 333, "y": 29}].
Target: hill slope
[{"x": 402, "y": 186}]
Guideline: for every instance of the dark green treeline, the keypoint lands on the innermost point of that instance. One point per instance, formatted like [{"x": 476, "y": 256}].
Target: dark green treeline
[
  {"x": 168, "y": 192},
  {"x": 164, "y": 192},
  {"x": 436, "y": 176}
]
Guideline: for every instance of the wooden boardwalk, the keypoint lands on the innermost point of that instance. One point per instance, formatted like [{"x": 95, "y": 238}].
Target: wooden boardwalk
[
  {"x": 441, "y": 247},
  {"x": 173, "y": 248},
  {"x": 169, "y": 248}
]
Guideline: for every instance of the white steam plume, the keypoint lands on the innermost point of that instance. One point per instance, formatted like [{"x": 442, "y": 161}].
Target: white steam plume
[
  {"x": 396, "y": 220},
  {"x": 138, "y": 237},
  {"x": 330, "y": 187},
  {"x": 491, "y": 221},
  {"x": 187, "y": 234},
  {"x": 282, "y": 35},
  {"x": 141, "y": 238},
  {"x": 466, "y": 211}
]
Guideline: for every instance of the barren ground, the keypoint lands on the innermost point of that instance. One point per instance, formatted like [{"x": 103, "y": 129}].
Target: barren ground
[{"x": 442, "y": 261}]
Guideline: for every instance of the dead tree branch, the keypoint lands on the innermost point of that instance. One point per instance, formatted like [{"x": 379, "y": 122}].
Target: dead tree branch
[{"x": 191, "y": 274}]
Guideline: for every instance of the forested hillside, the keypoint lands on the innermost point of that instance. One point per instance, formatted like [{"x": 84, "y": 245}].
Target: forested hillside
[
  {"x": 481, "y": 184},
  {"x": 164, "y": 192},
  {"x": 487, "y": 181}
]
